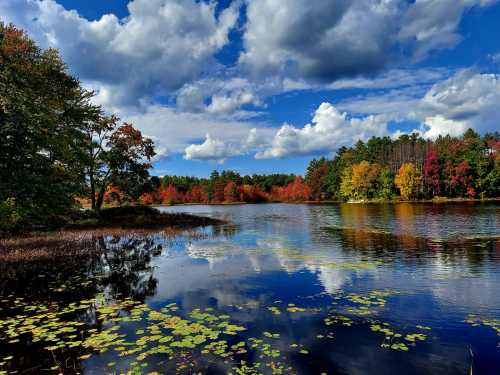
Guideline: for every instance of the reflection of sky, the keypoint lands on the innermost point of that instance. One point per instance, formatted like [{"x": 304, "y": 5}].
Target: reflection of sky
[{"x": 285, "y": 252}]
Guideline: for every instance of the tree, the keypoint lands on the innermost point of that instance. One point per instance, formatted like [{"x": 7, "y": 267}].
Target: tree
[
  {"x": 218, "y": 191},
  {"x": 41, "y": 110},
  {"x": 197, "y": 195},
  {"x": 347, "y": 189},
  {"x": 385, "y": 184},
  {"x": 117, "y": 155},
  {"x": 408, "y": 180},
  {"x": 336, "y": 168},
  {"x": 230, "y": 192},
  {"x": 432, "y": 171},
  {"x": 169, "y": 195},
  {"x": 316, "y": 178},
  {"x": 462, "y": 179},
  {"x": 492, "y": 181},
  {"x": 364, "y": 177}
]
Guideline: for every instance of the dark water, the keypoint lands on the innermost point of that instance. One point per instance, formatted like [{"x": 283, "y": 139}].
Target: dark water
[{"x": 291, "y": 289}]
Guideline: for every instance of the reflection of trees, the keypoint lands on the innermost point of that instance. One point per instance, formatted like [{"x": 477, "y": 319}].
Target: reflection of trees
[
  {"x": 357, "y": 231},
  {"x": 405, "y": 216},
  {"x": 119, "y": 265},
  {"x": 125, "y": 265},
  {"x": 228, "y": 230}
]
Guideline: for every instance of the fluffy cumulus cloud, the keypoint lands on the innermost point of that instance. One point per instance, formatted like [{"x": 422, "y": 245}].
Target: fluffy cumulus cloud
[
  {"x": 159, "y": 47},
  {"x": 329, "y": 130},
  {"x": 327, "y": 40},
  {"x": 219, "y": 150},
  {"x": 233, "y": 97},
  {"x": 210, "y": 149},
  {"x": 466, "y": 100},
  {"x": 173, "y": 131}
]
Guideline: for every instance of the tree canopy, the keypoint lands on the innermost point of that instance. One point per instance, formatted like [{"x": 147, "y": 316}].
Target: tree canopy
[{"x": 53, "y": 138}]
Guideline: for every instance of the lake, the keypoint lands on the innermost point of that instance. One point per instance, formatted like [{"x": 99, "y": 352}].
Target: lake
[{"x": 280, "y": 289}]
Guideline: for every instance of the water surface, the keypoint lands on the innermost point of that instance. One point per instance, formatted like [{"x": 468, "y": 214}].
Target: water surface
[{"x": 305, "y": 289}]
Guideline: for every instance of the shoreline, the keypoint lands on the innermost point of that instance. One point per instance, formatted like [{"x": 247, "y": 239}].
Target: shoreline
[
  {"x": 439, "y": 200},
  {"x": 119, "y": 219}
]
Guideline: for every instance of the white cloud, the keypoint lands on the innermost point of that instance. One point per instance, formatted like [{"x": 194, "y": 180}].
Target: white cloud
[
  {"x": 174, "y": 130},
  {"x": 211, "y": 149},
  {"x": 466, "y": 100},
  {"x": 435, "y": 126},
  {"x": 219, "y": 150},
  {"x": 495, "y": 58},
  {"x": 222, "y": 97},
  {"x": 328, "y": 40},
  {"x": 228, "y": 104},
  {"x": 393, "y": 78},
  {"x": 329, "y": 130},
  {"x": 159, "y": 47}
]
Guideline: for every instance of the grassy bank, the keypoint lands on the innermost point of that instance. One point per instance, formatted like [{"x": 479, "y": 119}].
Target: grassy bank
[
  {"x": 138, "y": 217},
  {"x": 130, "y": 217}
]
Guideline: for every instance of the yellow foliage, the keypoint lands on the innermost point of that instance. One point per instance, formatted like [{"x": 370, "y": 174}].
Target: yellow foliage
[{"x": 408, "y": 180}]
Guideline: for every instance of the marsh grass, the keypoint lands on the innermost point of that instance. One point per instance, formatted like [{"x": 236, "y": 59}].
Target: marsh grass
[{"x": 77, "y": 242}]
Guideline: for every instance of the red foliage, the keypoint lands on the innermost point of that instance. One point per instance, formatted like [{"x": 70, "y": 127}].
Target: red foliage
[
  {"x": 113, "y": 194},
  {"x": 196, "y": 195},
  {"x": 169, "y": 195},
  {"x": 231, "y": 192},
  {"x": 432, "y": 171},
  {"x": 296, "y": 191},
  {"x": 147, "y": 198},
  {"x": 252, "y": 194},
  {"x": 218, "y": 193},
  {"x": 462, "y": 179}
]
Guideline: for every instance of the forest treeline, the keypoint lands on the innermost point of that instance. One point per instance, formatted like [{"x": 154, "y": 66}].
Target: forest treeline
[{"x": 410, "y": 167}]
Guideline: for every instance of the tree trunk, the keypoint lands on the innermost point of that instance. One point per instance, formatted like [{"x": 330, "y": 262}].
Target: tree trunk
[
  {"x": 100, "y": 198},
  {"x": 92, "y": 191}
]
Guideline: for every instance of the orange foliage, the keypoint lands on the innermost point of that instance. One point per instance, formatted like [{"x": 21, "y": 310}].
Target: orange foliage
[
  {"x": 296, "y": 191},
  {"x": 169, "y": 195},
  {"x": 196, "y": 195},
  {"x": 230, "y": 192},
  {"x": 113, "y": 194},
  {"x": 252, "y": 193},
  {"x": 147, "y": 198}
]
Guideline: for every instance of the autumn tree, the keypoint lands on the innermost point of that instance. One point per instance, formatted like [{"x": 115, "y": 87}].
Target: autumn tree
[
  {"x": 462, "y": 180},
  {"x": 41, "y": 110},
  {"x": 251, "y": 194},
  {"x": 197, "y": 195},
  {"x": 360, "y": 181},
  {"x": 218, "y": 191},
  {"x": 364, "y": 178},
  {"x": 408, "y": 180},
  {"x": 230, "y": 192},
  {"x": 169, "y": 195},
  {"x": 432, "y": 173},
  {"x": 347, "y": 190},
  {"x": 115, "y": 154},
  {"x": 316, "y": 178}
]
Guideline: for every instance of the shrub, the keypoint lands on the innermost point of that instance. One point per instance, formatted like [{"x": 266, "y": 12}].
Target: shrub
[{"x": 10, "y": 218}]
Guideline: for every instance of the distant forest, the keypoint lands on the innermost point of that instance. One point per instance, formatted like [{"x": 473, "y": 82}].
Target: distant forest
[{"x": 409, "y": 167}]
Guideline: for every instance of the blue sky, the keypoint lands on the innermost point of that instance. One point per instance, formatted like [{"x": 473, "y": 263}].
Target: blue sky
[{"x": 264, "y": 86}]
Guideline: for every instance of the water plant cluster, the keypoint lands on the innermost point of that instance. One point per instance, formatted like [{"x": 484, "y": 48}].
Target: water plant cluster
[{"x": 130, "y": 336}]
